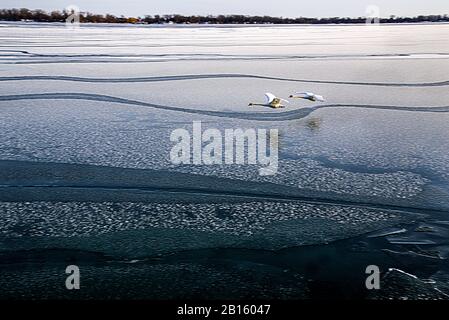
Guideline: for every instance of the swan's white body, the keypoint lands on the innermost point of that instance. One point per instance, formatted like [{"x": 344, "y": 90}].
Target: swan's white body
[
  {"x": 308, "y": 96},
  {"x": 271, "y": 101}
]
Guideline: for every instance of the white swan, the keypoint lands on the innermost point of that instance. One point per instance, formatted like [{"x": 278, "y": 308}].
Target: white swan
[
  {"x": 271, "y": 101},
  {"x": 308, "y": 96}
]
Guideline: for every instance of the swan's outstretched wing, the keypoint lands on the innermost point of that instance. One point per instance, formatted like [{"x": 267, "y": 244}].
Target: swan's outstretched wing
[
  {"x": 319, "y": 98},
  {"x": 310, "y": 96},
  {"x": 269, "y": 97},
  {"x": 304, "y": 94}
]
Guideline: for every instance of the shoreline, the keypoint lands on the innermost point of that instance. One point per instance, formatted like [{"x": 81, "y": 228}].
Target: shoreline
[{"x": 209, "y": 25}]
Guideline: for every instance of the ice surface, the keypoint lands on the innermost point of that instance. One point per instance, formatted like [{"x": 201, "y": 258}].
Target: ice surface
[
  {"x": 137, "y": 229},
  {"x": 382, "y": 138}
]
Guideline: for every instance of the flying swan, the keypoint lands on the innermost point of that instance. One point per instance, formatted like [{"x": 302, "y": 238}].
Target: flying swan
[
  {"x": 308, "y": 96},
  {"x": 271, "y": 101}
]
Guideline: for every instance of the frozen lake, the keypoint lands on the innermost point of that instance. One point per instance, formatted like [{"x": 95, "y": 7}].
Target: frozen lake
[{"x": 87, "y": 113}]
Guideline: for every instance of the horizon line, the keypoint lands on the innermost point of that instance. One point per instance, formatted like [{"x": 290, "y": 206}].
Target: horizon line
[{"x": 173, "y": 15}]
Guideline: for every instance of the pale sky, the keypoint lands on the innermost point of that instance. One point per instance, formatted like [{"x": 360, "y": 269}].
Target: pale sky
[{"x": 286, "y": 8}]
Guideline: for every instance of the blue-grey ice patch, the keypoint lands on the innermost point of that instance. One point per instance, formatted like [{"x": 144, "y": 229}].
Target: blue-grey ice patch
[
  {"x": 312, "y": 175},
  {"x": 429, "y": 233},
  {"x": 387, "y": 232},
  {"x": 138, "y": 228},
  {"x": 399, "y": 285},
  {"x": 429, "y": 240},
  {"x": 157, "y": 281},
  {"x": 133, "y": 139}
]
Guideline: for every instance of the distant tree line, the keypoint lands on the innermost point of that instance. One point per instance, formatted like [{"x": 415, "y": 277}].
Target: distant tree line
[{"x": 86, "y": 17}]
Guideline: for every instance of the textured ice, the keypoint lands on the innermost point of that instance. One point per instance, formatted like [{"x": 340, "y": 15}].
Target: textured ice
[
  {"x": 399, "y": 285},
  {"x": 372, "y": 152},
  {"x": 143, "y": 229},
  {"x": 312, "y": 175},
  {"x": 75, "y": 219},
  {"x": 257, "y": 40},
  {"x": 162, "y": 281},
  {"x": 431, "y": 234},
  {"x": 367, "y": 162},
  {"x": 135, "y": 139}
]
